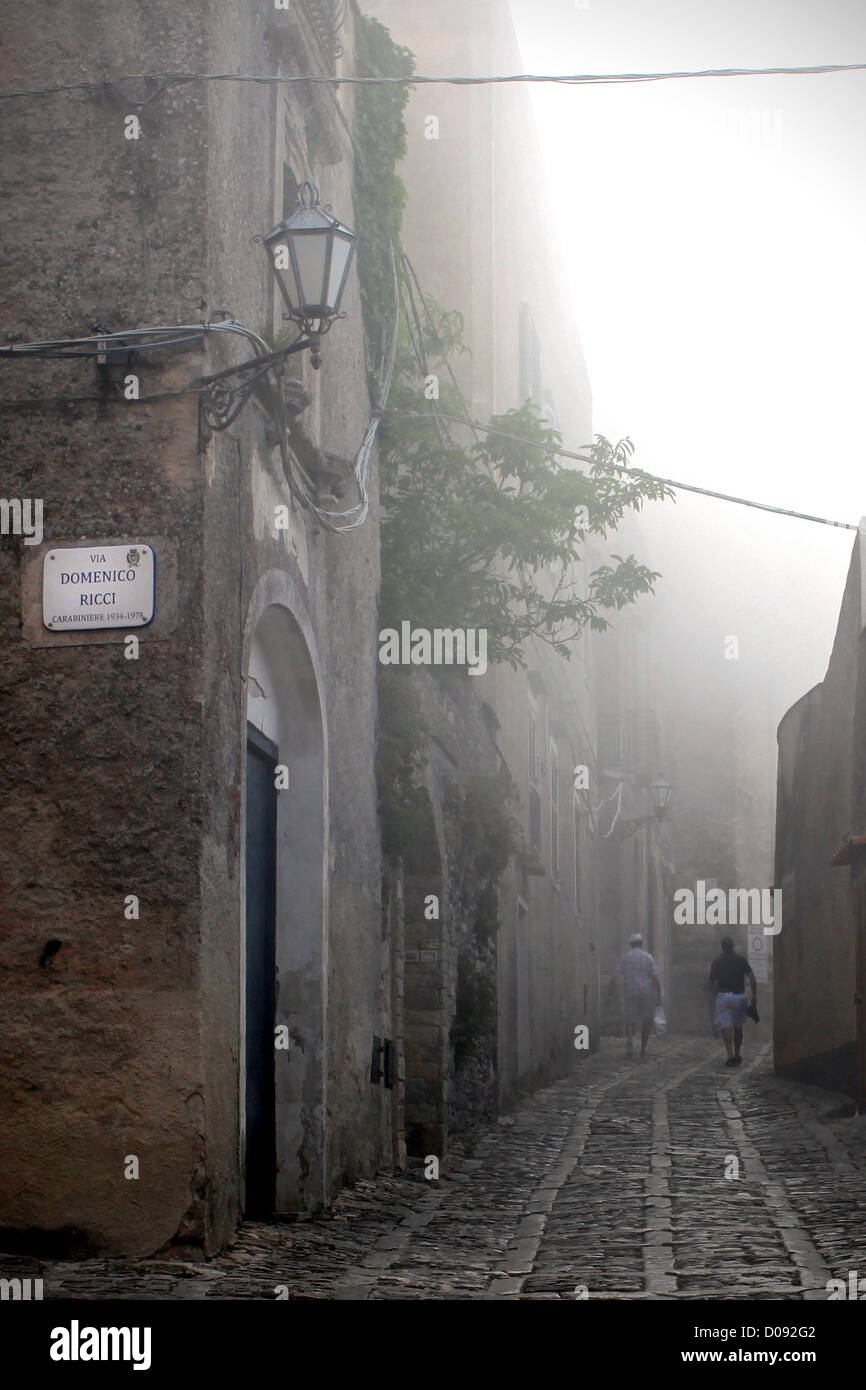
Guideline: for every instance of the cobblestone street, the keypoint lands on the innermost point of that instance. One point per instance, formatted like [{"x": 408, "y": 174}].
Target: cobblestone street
[{"x": 612, "y": 1181}]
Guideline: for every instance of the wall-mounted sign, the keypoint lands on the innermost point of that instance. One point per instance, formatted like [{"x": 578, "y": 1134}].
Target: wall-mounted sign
[
  {"x": 758, "y": 956},
  {"x": 99, "y": 586}
]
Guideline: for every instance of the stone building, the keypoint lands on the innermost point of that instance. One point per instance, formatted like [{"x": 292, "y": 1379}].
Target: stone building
[
  {"x": 164, "y": 907},
  {"x": 481, "y": 234},
  {"x": 820, "y": 953}
]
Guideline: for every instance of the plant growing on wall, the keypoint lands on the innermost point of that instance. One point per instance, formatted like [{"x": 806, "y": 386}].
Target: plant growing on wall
[
  {"x": 379, "y": 193},
  {"x": 486, "y": 833},
  {"x": 485, "y": 534},
  {"x": 484, "y": 836},
  {"x": 490, "y": 533},
  {"x": 482, "y": 529}
]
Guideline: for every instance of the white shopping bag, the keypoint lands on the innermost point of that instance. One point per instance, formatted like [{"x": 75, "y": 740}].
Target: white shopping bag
[{"x": 660, "y": 1021}]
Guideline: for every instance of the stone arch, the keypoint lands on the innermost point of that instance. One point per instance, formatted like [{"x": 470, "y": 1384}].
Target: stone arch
[
  {"x": 284, "y": 704},
  {"x": 426, "y": 1040}
]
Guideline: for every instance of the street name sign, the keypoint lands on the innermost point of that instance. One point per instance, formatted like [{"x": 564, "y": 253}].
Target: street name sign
[{"x": 98, "y": 586}]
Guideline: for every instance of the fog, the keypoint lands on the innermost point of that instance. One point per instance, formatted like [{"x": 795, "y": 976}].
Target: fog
[{"x": 714, "y": 238}]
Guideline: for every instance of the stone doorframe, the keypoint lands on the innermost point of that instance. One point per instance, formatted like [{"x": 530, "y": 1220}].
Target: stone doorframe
[{"x": 283, "y": 683}]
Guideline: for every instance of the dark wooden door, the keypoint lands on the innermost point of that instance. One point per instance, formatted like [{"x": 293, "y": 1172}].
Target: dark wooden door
[
  {"x": 860, "y": 992},
  {"x": 261, "y": 865}
]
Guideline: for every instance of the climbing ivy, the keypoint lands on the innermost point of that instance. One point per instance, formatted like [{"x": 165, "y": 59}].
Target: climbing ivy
[
  {"x": 486, "y": 834},
  {"x": 380, "y": 194}
]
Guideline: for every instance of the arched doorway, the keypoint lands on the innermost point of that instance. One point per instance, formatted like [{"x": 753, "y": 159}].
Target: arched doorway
[{"x": 283, "y": 994}]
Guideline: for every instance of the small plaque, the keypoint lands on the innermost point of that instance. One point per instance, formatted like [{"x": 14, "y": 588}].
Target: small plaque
[
  {"x": 98, "y": 587},
  {"x": 758, "y": 955}
]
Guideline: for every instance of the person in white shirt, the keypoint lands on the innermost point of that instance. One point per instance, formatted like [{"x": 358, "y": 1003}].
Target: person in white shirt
[{"x": 641, "y": 993}]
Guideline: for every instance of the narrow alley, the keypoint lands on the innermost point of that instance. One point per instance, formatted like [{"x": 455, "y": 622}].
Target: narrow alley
[
  {"x": 610, "y": 1184},
  {"x": 432, "y": 667}
]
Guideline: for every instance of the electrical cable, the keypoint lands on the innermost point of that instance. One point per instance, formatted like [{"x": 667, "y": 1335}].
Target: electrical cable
[
  {"x": 113, "y": 342},
  {"x": 223, "y": 402},
  {"x": 362, "y": 460},
  {"x": 608, "y": 833},
  {"x": 105, "y": 342},
  {"x": 416, "y": 342},
  {"x": 265, "y": 358},
  {"x": 415, "y": 79},
  {"x": 633, "y": 472},
  {"x": 413, "y": 278},
  {"x": 205, "y": 384}
]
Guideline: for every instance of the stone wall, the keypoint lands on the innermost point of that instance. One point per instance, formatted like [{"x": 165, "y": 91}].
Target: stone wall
[
  {"x": 815, "y": 953},
  {"x": 449, "y": 960},
  {"x": 127, "y": 777},
  {"x": 102, "y": 757}
]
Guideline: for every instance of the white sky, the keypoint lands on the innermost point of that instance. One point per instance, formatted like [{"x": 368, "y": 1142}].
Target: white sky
[{"x": 718, "y": 238}]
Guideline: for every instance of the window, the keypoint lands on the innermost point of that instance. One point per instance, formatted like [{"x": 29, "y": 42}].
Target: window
[
  {"x": 390, "y": 1064},
  {"x": 533, "y": 746},
  {"x": 529, "y": 355},
  {"x": 534, "y": 819},
  {"x": 578, "y": 846},
  {"x": 554, "y": 811}
]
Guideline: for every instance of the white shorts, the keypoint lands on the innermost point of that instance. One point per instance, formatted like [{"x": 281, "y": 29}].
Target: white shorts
[
  {"x": 730, "y": 1010},
  {"x": 639, "y": 1007}
]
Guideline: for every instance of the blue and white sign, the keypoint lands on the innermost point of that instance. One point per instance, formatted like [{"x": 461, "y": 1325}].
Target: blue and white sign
[{"x": 98, "y": 587}]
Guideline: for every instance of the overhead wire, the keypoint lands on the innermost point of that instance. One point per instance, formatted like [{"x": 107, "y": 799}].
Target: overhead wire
[
  {"x": 266, "y": 358},
  {"x": 71, "y": 348},
  {"x": 622, "y": 468},
  {"x": 169, "y": 80},
  {"x": 117, "y": 341}
]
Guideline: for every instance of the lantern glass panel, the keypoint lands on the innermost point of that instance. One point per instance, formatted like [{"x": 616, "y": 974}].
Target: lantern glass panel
[
  {"x": 340, "y": 257},
  {"x": 311, "y": 255},
  {"x": 282, "y": 263}
]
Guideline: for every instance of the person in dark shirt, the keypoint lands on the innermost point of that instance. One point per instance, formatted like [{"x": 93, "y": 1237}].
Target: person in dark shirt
[{"x": 728, "y": 975}]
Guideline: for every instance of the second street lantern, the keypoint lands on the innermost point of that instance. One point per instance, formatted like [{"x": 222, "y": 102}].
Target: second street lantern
[{"x": 310, "y": 256}]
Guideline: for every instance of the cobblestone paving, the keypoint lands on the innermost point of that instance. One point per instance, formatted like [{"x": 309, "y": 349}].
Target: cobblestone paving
[{"x": 610, "y": 1184}]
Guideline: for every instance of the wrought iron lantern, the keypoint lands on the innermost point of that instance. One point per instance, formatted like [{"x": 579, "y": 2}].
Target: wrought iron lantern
[{"x": 310, "y": 255}]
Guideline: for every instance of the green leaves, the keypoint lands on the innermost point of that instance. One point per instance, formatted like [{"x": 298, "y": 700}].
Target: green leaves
[{"x": 488, "y": 533}]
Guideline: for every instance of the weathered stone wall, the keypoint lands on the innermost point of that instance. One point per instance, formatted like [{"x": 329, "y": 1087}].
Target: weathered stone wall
[
  {"x": 449, "y": 962},
  {"x": 333, "y": 579},
  {"x": 548, "y": 980},
  {"x": 101, "y": 767},
  {"x": 126, "y": 777},
  {"x": 814, "y": 954}
]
